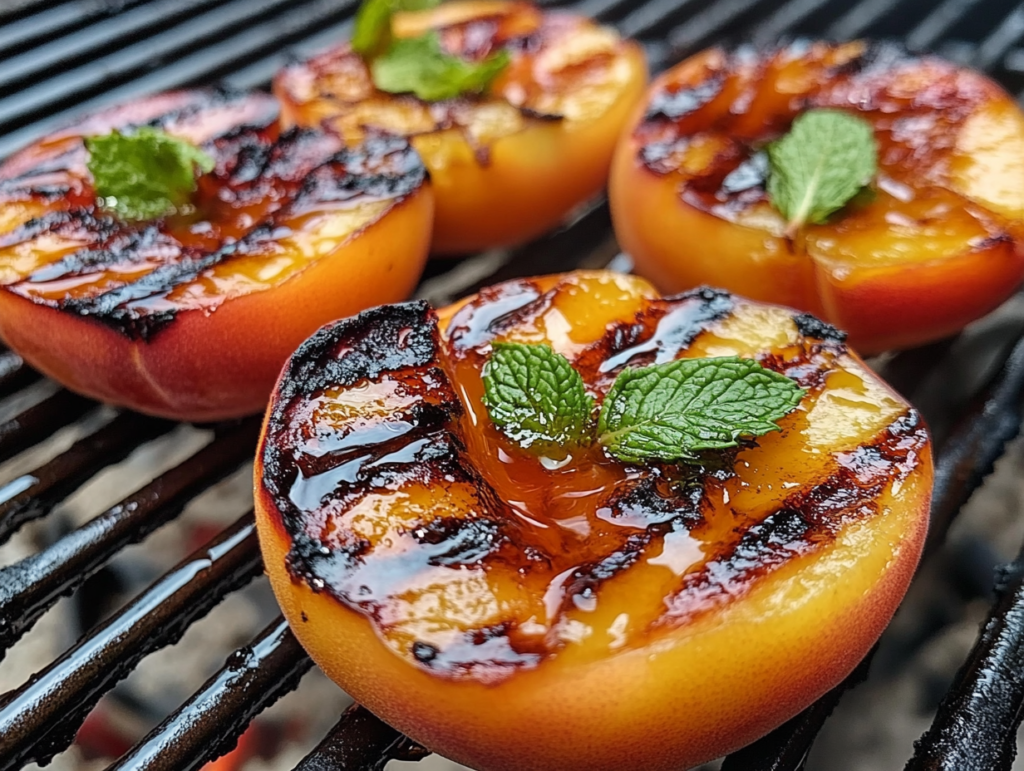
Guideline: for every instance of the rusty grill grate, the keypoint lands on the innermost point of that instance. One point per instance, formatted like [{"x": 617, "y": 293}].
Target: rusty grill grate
[{"x": 58, "y": 58}]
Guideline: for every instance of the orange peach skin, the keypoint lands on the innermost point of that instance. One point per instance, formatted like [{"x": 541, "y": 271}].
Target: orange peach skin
[
  {"x": 954, "y": 272},
  {"x": 534, "y": 175},
  {"x": 748, "y": 666},
  {"x": 207, "y": 366}
]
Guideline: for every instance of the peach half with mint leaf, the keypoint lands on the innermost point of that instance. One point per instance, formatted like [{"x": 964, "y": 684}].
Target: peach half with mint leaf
[
  {"x": 168, "y": 255},
  {"x": 568, "y": 524},
  {"x": 880, "y": 191},
  {"x": 515, "y": 110}
]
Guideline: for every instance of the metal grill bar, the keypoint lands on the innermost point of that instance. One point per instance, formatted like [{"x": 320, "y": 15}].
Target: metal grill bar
[
  {"x": 40, "y": 421},
  {"x": 359, "y": 742},
  {"x": 937, "y": 23},
  {"x": 30, "y": 587},
  {"x": 83, "y": 42},
  {"x": 25, "y": 25},
  {"x": 14, "y": 373},
  {"x": 996, "y": 45},
  {"x": 209, "y": 724},
  {"x": 41, "y": 718},
  {"x": 202, "y": 49},
  {"x": 688, "y": 37},
  {"x": 976, "y": 726},
  {"x": 35, "y": 494}
]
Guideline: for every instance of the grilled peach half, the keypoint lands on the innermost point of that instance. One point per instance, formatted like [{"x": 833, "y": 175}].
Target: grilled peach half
[
  {"x": 191, "y": 316},
  {"x": 935, "y": 245},
  {"x": 508, "y": 165},
  {"x": 514, "y": 613}
]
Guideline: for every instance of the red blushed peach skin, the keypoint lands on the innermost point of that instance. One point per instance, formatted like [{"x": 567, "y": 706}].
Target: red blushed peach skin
[
  {"x": 708, "y": 658},
  {"x": 509, "y": 165},
  {"x": 212, "y": 366},
  {"x": 939, "y": 243},
  {"x": 298, "y": 242}
]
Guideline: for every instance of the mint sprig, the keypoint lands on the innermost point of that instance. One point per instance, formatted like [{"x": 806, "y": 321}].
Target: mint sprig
[
  {"x": 535, "y": 396},
  {"x": 418, "y": 65},
  {"x": 371, "y": 34},
  {"x": 673, "y": 411},
  {"x": 422, "y": 67},
  {"x": 827, "y": 157},
  {"x": 666, "y": 412},
  {"x": 144, "y": 173}
]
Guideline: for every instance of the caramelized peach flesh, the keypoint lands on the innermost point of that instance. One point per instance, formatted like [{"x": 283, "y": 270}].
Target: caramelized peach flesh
[
  {"x": 192, "y": 316},
  {"x": 935, "y": 245},
  {"x": 514, "y": 612},
  {"x": 507, "y": 166}
]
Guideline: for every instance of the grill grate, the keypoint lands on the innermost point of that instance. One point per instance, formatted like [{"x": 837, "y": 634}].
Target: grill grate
[{"x": 61, "y": 57}]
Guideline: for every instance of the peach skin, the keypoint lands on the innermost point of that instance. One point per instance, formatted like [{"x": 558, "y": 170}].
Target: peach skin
[
  {"x": 191, "y": 316},
  {"x": 513, "y": 613},
  {"x": 935, "y": 243}
]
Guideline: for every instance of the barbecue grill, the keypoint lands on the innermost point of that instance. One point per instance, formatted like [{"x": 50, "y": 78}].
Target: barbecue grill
[{"x": 61, "y": 57}]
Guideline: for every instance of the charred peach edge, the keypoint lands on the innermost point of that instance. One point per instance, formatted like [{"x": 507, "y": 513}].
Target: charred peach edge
[
  {"x": 752, "y": 665},
  {"x": 184, "y": 371}
]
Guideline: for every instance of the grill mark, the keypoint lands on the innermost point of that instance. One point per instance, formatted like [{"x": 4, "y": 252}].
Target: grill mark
[
  {"x": 399, "y": 342},
  {"x": 734, "y": 180},
  {"x": 663, "y": 330},
  {"x": 495, "y": 309},
  {"x": 23, "y": 174},
  {"x": 489, "y": 652},
  {"x": 805, "y": 522},
  {"x": 76, "y": 224},
  {"x": 403, "y": 341},
  {"x": 810, "y": 325},
  {"x": 118, "y": 242},
  {"x": 585, "y": 581},
  {"x": 304, "y": 160},
  {"x": 659, "y": 500},
  {"x": 674, "y": 105},
  {"x": 465, "y": 541},
  {"x": 472, "y": 39}
]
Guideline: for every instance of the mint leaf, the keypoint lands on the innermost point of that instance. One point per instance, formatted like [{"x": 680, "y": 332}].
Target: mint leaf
[
  {"x": 372, "y": 31},
  {"x": 535, "y": 396},
  {"x": 671, "y": 412},
  {"x": 145, "y": 173},
  {"x": 823, "y": 162},
  {"x": 422, "y": 67}
]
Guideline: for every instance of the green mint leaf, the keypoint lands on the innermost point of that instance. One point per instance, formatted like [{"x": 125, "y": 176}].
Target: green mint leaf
[
  {"x": 671, "y": 412},
  {"x": 827, "y": 157},
  {"x": 536, "y": 397},
  {"x": 145, "y": 173},
  {"x": 372, "y": 31},
  {"x": 422, "y": 67}
]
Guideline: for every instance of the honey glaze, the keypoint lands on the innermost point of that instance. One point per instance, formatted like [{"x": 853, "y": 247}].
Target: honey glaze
[
  {"x": 273, "y": 205},
  {"x": 472, "y": 557},
  {"x": 562, "y": 68},
  {"x": 939, "y": 128}
]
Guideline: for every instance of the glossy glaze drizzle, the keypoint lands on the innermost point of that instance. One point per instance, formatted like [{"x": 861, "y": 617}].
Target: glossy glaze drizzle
[
  {"x": 473, "y": 559},
  {"x": 709, "y": 122},
  {"x": 266, "y": 194}
]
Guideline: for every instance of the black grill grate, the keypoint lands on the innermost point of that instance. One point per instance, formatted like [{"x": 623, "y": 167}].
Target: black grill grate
[{"x": 59, "y": 58}]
